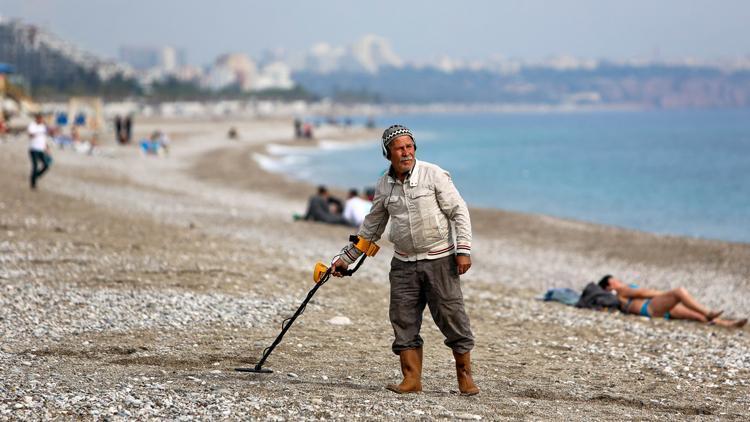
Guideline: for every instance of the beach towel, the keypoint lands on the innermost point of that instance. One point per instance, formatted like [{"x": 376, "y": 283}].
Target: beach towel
[{"x": 563, "y": 295}]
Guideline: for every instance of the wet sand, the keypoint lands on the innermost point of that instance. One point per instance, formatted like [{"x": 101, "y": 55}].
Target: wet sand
[{"x": 132, "y": 285}]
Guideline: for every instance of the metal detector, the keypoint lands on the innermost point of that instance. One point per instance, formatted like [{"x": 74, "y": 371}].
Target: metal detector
[{"x": 321, "y": 274}]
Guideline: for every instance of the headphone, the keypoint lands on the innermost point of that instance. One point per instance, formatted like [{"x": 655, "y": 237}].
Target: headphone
[{"x": 392, "y": 133}]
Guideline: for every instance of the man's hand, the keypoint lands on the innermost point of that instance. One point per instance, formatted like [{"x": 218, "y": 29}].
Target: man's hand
[
  {"x": 464, "y": 263},
  {"x": 339, "y": 267}
]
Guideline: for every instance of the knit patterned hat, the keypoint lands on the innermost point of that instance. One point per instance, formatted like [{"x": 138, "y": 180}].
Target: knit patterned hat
[{"x": 392, "y": 133}]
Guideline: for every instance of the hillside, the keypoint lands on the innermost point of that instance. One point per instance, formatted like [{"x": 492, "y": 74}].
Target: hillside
[{"x": 53, "y": 67}]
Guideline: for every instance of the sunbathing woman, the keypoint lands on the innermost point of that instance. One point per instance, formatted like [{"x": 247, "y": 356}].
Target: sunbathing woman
[{"x": 675, "y": 304}]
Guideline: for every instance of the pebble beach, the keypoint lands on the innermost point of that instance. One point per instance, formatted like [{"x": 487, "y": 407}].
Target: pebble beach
[{"x": 132, "y": 286}]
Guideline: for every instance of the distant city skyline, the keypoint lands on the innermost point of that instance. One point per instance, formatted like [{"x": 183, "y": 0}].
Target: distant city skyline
[{"x": 417, "y": 31}]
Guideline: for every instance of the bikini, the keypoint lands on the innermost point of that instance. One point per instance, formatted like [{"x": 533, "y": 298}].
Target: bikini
[{"x": 644, "y": 308}]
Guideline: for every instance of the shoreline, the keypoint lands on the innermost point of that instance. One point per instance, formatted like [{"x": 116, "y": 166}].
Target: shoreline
[
  {"x": 280, "y": 156},
  {"x": 679, "y": 259},
  {"x": 355, "y": 137}
]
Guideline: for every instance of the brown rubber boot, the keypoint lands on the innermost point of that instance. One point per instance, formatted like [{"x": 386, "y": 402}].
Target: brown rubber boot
[
  {"x": 411, "y": 367},
  {"x": 463, "y": 370}
]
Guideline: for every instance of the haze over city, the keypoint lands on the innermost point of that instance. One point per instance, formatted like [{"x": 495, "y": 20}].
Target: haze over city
[{"x": 418, "y": 31}]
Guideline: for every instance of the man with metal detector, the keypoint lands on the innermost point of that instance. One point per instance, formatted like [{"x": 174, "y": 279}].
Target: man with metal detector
[{"x": 421, "y": 202}]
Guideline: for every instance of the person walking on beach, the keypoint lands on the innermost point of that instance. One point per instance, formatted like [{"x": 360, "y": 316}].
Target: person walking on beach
[
  {"x": 421, "y": 202},
  {"x": 673, "y": 304},
  {"x": 38, "y": 148}
]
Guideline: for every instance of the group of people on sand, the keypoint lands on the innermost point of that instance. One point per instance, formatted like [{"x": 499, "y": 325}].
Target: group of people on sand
[
  {"x": 42, "y": 136},
  {"x": 74, "y": 141},
  {"x": 303, "y": 130},
  {"x": 325, "y": 208}
]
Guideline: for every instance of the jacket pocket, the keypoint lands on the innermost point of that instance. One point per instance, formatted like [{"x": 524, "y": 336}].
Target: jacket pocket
[
  {"x": 399, "y": 233},
  {"x": 433, "y": 229},
  {"x": 425, "y": 201},
  {"x": 430, "y": 215}
]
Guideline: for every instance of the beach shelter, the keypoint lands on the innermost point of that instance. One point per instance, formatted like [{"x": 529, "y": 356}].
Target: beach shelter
[
  {"x": 86, "y": 111},
  {"x": 6, "y": 69}
]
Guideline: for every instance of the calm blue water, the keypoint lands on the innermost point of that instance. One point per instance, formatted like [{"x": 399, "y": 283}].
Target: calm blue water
[{"x": 674, "y": 172}]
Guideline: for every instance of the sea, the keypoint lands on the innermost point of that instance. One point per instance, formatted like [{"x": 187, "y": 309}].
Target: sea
[{"x": 667, "y": 172}]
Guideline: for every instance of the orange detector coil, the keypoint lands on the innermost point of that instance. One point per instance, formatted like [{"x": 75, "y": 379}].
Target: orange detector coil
[{"x": 320, "y": 269}]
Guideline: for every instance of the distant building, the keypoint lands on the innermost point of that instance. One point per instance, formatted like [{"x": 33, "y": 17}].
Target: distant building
[
  {"x": 166, "y": 59},
  {"x": 188, "y": 73},
  {"x": 275, "y": 75},
  {"x": 232, "y": 69},
  {"x": 373, "y": 52},
  {"x": 369, "y": 54},
  {"x": 272, "y": 55},
  {"x": 323, "y": 58}
]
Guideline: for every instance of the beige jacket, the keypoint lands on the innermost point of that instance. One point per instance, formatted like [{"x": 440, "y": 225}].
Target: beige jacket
[{"x": 420, "y": 210}]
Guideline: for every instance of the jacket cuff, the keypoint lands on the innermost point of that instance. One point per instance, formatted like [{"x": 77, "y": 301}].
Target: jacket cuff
[
  {"x": 463, "y": 248},
  {"x": 350, "y": 254}
]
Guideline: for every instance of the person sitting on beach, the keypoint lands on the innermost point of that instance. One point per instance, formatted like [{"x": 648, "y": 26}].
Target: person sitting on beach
[
  {"x": 335, "y": 206},
  {"x": 318, "y": 209},
  {"x": 673, "y": 304},
  {"x": 356, "y": 208},
  {"x": 59, "y": 138},
  {"x": 157, "y": 144},
  {"x": 164, "y": 142}
]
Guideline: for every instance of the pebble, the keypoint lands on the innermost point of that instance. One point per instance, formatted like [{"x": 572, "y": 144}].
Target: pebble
[
  {"x": 40, "y": 313},
  {"x": 340, "y": 320},
  {"x": 467, "y": 416}
]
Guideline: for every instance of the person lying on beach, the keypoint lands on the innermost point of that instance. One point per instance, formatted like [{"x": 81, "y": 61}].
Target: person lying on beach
[{"x": 673, "y": 304}]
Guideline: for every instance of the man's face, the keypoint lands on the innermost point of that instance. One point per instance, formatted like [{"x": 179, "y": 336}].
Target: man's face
[{"x": 402, "y": 154}]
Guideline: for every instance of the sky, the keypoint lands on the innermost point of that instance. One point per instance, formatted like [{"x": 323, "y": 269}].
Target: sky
[{"x": 418, "y": 30}]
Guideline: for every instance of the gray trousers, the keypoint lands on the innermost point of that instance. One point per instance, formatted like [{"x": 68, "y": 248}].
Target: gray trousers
[{"x": 434, "y": 283}]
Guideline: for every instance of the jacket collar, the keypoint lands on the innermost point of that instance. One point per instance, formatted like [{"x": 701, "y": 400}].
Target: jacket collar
[{"x": 412, "y": 177}]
